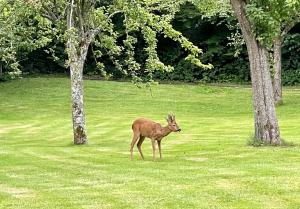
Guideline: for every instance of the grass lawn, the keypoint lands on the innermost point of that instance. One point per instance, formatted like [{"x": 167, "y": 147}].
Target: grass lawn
[{"x": 207, "y": 165}]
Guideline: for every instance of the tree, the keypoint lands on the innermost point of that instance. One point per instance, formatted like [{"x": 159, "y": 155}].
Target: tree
[
  {"x": 288, "y": 20},
  {"x": 89, "y": 22},
  {"x": 277, "y": 83},
  {"x": 265, "y": 120},
  {"x": 273, "y": 19},
  {"x": 22, "y": 30},
  {"x": 77, "y": 47}
]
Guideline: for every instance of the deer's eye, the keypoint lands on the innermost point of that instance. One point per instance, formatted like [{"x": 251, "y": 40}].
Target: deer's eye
[{"x": 174, "y": 125}]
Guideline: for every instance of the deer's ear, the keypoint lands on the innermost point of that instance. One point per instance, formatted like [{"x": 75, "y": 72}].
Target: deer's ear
[{"x": 171, "y": 117}]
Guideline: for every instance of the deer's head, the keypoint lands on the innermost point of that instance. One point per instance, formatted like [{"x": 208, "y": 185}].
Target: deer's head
[{"x": 172, "y": 123}]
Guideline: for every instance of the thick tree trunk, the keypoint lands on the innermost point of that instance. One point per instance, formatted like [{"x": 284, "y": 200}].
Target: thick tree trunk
[
  {"x": 266, "y": 125},
  {"x": 277, "y": 86},
  {"x": 265, "y": 120}
]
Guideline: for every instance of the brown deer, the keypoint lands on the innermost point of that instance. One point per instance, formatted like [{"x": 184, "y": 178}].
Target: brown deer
[{"x": 147, "y": 128}]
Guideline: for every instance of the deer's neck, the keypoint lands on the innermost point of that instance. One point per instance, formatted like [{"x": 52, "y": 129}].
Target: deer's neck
[{"x": 166, "y": 131}]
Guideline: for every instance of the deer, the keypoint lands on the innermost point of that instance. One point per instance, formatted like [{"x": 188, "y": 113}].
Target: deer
[{"x": 142, "y": 128}]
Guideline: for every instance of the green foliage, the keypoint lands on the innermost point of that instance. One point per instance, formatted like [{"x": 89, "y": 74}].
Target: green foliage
[
  {"x": 270, "y": 17},
  {"x": 156, "y": 39},
  {"x": 22, "y": 30},
  {"x": 291, "y": 60},
  {"x": 152, "y": 18},
  {"x": 117, "y": 41},
  {"x": 43, "y": 61},
  {"x": 210, "y": 8},
  {"x": 214, "y": 40},
  {"x": 264, "y": 25},
  {"x": 94, "y": 23}
]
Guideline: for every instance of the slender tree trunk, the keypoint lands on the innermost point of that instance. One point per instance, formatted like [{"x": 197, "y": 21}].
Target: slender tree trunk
[
  {"x": 76, "y": 62},
  {"x": 277, "y": 86},
  {"x": 265, "y": 120},
  {"x": 78, "y": 117},
  {"x": 76, "y": 57}
]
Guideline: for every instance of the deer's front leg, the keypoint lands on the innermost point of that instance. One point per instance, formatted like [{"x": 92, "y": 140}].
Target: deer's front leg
[
  {"x": 153, "y": 148},
  {"x": 159, "y": 148}
]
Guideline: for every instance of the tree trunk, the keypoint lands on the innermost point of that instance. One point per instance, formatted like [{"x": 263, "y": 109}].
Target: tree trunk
[
  {"x": 266, "y": 125},
  {"x": 265, "y": 120},
  {"x": 77, "y": 51},
  {"x": 277, "y": 86},
  {"x": 78, "y": 116},
  {"x": 76, "y": 62}
]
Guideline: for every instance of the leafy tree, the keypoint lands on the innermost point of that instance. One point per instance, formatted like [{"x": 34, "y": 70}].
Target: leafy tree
[
  {"x": 21, "y": 30},
  {"x": 265, "y": 120},
  {"x": 88, "y": 22},
  {"x": 291, "y": 59},
  {"x": 257, "y": 40},
  {"x": 272, "y": 20}
]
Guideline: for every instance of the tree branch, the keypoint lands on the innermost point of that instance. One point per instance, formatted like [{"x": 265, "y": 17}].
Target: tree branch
[
  {"x": 114, "y": 13},
  {"x": 48, "y": 13},
  {"x": 70, "y": 16},
  {"x": 289, "y": 26},
  {"x": 96, "y": 31},
  {"x": 238, "y": 7},
  {"x": 80, "y": 13}
]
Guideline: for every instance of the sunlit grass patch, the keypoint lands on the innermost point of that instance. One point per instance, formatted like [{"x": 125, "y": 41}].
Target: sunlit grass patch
[{"x": 207, "y": 165}]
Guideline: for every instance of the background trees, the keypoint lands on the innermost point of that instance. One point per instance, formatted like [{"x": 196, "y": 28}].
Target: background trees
[
  {"x": 209, "y": 33},
  {"x": 23, "y": 30}
]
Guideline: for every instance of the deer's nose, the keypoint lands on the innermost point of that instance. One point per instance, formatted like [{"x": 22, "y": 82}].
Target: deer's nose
[{"x": 179, "y": 129}]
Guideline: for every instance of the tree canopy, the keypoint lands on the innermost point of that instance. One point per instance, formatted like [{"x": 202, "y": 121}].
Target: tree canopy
[
  {"x": 206, "y": 25},
  {"x": 22, "y": 30}
]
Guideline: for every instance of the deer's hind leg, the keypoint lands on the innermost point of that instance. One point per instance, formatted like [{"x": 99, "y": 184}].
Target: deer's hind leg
[
  {"x": 135, "y": 138},
  {"x": 139, "y": 145}
]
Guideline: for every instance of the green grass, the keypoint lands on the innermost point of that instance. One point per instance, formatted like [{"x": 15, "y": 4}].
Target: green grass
[{"x": 207, "y": 165}]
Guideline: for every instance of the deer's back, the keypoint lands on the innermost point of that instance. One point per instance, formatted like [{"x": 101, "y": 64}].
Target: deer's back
[{"x": 145, "y": 127}]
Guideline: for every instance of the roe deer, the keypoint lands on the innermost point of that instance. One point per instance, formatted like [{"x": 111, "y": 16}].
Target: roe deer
[{"x": 147, "y": 128}]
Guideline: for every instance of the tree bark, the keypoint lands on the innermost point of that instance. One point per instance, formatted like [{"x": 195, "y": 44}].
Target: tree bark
[
  {"x": 78, "y": 117},
  {"x": 76, "y": 62},
  {"x": 265, "y": 120},
  {"x": 277, "y": 86},
  {"x": 77, "y": 54}
]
